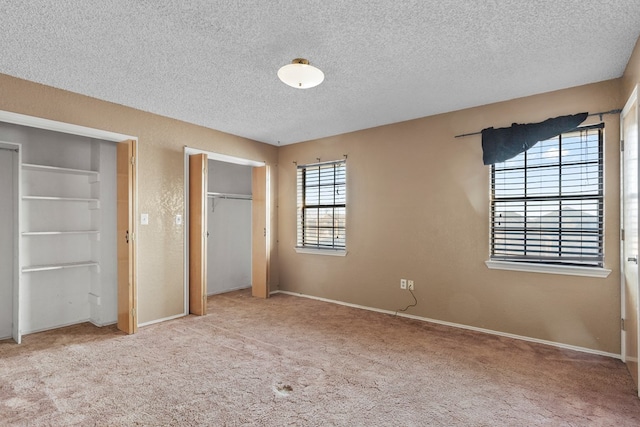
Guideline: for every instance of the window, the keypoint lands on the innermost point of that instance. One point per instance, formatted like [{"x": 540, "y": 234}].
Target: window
[
  {"x": 322, "y": 205},
  {"x": 547, "y": 203}
]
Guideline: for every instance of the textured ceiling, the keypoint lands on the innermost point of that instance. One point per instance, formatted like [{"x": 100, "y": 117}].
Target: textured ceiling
[{"x": 214, "y": 63}]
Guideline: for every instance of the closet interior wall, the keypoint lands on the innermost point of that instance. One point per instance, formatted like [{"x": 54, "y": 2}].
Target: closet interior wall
[
  {"x": 8, "y": 177},
  {"x": 229, "y": 227},
  {"x": 67, "y": 228}
]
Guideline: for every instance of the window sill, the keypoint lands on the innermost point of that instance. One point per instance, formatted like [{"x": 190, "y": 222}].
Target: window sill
[
  {"x": 330, "y": 252},
  {"x": 550, "y": 269}
]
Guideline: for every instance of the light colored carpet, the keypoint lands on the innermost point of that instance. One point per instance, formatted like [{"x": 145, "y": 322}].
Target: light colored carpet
[{"x": 295, "y": 361}]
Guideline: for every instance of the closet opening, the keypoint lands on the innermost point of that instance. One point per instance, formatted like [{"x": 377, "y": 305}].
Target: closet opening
[
  {"x": 59, "y": 227},
  {"x": 229, "y": 199},
  {"x": 227, "y": 222}
]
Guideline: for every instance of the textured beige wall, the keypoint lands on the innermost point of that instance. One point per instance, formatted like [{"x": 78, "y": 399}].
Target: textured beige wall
[
  {"x": 160, "y": 173},
  {"x": 631, "y": 76},
  {"x": 418, "y": 208}
]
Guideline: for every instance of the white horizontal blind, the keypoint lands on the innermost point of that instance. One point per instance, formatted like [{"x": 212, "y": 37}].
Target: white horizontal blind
[
  {"x": 322, "y": 208},
  {"x": 547, "y": 203}
]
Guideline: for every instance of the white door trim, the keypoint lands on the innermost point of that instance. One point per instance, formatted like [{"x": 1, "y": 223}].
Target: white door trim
[
  {"x": 623, "y": 350},
  {"x": 633, "y": 98},
  {"x": 40, "y": 123}
]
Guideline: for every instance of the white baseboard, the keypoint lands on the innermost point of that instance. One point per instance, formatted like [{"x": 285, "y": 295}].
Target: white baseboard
[
  {"x": 229, "y": 290},
  {"x": 50, "y": 328},
  {"x": 62, "y": 326},
  {"x": 458, "y": 325},
  {"x": 101, "y": 325},
  {"x": 164, "y": 319}
]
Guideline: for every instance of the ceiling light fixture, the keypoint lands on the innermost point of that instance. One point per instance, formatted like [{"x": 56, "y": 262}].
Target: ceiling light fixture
[{"x": 300, "y": 74}]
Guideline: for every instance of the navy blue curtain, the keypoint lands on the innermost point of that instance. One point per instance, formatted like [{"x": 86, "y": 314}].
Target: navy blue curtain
[{"x": 503, "y": 144}]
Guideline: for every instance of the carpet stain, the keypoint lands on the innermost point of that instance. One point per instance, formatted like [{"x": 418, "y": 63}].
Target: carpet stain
[{"x": 283, "y": 390}]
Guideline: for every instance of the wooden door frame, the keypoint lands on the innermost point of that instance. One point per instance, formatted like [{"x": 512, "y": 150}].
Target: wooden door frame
[
  {"x": 197, "y": 221},
  {"x": 127, "y": 317},
  {"x": 221, "y": 158},
  {"x": 623, "y": 349},
  {"x": 62, "y": 127},
  {"x": 260, "y": 235}
]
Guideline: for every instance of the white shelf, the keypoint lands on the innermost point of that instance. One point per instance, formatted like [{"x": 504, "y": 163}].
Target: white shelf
[
  {"x": 55, "y": 169},
  {"x": 61, "y": 199},
  {"x": 93, "y": 203},
  {"x": 51, "y": 233},
  {"x": 48, "y": 267}
]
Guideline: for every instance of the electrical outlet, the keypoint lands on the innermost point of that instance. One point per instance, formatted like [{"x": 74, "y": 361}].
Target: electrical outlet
[
  {"x": 410, "y": 284},
  {"x": 403, "y": 283}
]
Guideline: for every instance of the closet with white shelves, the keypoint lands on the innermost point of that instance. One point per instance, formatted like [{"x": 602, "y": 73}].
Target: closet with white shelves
[
  {"x": 67, "y": 227},
  {"x": 59, "y": 201}
]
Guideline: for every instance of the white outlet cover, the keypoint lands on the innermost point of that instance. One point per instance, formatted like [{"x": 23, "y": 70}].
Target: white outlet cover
[{"x": 144, "y": 219}]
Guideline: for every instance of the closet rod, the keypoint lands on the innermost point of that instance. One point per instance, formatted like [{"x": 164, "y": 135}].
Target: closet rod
[
  {"x": 229, "y": 196},
  {"x": 9, "y": 149}
]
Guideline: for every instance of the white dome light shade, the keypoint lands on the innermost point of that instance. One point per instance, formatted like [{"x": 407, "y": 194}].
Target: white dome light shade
[{"x": 300, "y": 74}]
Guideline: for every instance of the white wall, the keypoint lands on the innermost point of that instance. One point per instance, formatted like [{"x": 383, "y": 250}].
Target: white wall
[
  {"x": 108, "y": 249},
  {"x": 6, "y": 241},
  {"x": 229, "y": 177},
  {"x": 229, "y": 227}
]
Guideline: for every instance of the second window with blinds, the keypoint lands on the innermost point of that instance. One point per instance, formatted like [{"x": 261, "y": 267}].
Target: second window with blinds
[
  {"x": 322, "y": 208},
  {"x": 547, "y": 203}
]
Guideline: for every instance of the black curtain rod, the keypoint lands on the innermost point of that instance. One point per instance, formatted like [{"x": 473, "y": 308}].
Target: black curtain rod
[{"x": 618, "y": 111}]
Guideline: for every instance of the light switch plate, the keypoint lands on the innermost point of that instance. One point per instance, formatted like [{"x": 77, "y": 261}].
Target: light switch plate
[
  {"x": 178, "y": 219},
  {"x": 144, "y": 219}
]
